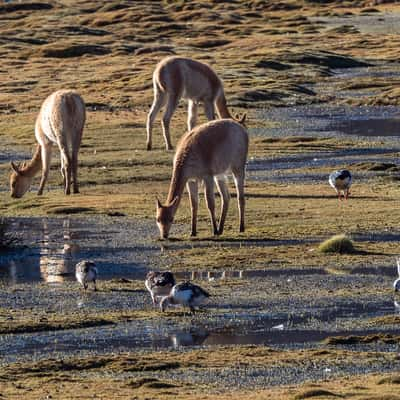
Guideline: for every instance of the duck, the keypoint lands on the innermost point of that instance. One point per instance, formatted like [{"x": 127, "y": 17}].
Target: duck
[
  {"x": 186, "y": 294},
  {"x": 396, "y": 283},
  {"x": 341, "y": 181},
  {"x": 159, "y": 284},
  {"x": 85, "y": 272}
]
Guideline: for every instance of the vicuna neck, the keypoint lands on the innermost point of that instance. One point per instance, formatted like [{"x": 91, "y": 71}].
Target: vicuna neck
[
  {"x": 221, "y": 107},
  {"x": 177, "y": 184},
  {"x": 34, "y": 165}
]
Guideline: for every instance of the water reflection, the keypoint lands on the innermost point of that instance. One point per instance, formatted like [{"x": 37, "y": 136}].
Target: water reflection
[
  {"x": 52, "y": 261},
  {"x": 57, "y": 263},
  {"x": 246, "y": 274},
  {"x": 196, "y": 338}
]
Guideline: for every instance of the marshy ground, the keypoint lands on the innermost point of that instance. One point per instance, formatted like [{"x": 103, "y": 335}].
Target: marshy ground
[{"x": 319, "y": 81}]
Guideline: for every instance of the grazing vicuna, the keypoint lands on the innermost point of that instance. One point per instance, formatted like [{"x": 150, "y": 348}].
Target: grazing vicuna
[
  {"x": 177, "y": 77},
  {"x": 60, "y": 121},
  {"x": 205, "y": 154}
]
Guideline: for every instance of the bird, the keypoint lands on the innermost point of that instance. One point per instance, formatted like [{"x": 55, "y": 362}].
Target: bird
[
  {"x": 186, "y": 294},
  {"x": 341, "y": 181},
  {"x": 85, "y": 272},
  {"x": 159, "y": 284},
  {"x": 396, "y": 283}
]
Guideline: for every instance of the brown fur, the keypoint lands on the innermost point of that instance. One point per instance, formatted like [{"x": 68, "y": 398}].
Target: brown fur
[
  {"x": 177, "y": 77},
  {"x": 204, "y": 154},
  {"x": 61, "y": 120}
]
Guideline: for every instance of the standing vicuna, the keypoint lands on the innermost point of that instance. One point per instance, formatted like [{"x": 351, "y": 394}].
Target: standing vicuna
[
  {"x": 177, "y": 77},
  {"x": 60, "y": 120},
  {"x": 205, "y": 154}
]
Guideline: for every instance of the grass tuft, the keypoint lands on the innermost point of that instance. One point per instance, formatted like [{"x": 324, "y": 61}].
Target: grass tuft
[
  {"x": 337, "y": 244},
  {"x": 316, "y": 393}
]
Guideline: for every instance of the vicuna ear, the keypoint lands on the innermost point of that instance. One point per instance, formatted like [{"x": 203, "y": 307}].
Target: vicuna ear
[
  {"x": 158, "y": 203},
  {"x": 14, "y": 167},
  {"x": 242, "y": 120},
  {"x": 174, "y": 201}
]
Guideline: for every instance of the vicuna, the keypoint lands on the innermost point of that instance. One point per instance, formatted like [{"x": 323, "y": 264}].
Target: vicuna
[
  {"x": 177, "y": 77},
  {"x": 205, "y": 154},
  {"x": 60, "y": 120}
]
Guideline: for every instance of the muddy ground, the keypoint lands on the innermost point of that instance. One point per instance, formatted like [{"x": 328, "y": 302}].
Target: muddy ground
[{"x": 319, "y": 81}]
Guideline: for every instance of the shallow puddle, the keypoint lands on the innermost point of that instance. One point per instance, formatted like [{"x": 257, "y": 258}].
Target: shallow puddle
[
  {"x": 55, "y": 245},
  {"x": 369, "y": 127},
  {"x": 236, "y": 316},
  {"x": 308, "y": 327},
  {"x": 381, "y": 123},
  {"x": 369, "y": 23}
]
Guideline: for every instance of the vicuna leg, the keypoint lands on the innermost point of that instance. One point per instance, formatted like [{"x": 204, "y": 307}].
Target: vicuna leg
[
  {"x": 225, "y": 197},
  {"x": 75, "y": 186},
  {"x": 46, "y": 158},
  {"x": 192, "y": 188},
  {"x": 239, "y": 183},
  {"x": 209, "y": 110},
  {"x": 158, "y": 102},
  {"x": 66, "y": 171},
  {"x": 192, "y": 114},
  {"x": 210, "y": 200},
  {"x": 172, "y": 103}
]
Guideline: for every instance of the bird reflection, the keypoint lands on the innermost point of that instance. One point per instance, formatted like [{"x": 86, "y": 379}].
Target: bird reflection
[{"x": 188, "y": 338}]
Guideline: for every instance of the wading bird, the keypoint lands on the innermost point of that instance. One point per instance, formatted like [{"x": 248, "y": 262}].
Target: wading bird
[
  {"x": 85, "y": 272},
  {"x": 159, "y": 284},
  {"x": 341, "y": 181},
  {"x": 186, "y": 294},
  {"x": 396, "y": 283}
]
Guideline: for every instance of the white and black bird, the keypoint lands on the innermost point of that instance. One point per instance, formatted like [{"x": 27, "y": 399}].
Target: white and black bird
[
  {"x": 341, "y": 181},
  {"x": 186, "y": 294},
  {"x": 85, "y": 272},
  {"x": 396, "y": 283},
  {"x": 159, "y": 284}
]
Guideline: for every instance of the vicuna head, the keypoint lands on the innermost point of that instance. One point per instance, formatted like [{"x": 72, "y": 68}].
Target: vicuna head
[
  {"x": 165, "y": 216},
  {"x": 19, "y": 181}
]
